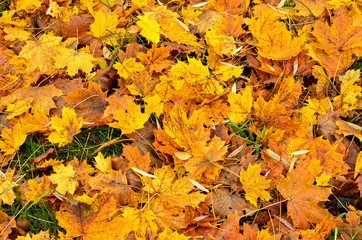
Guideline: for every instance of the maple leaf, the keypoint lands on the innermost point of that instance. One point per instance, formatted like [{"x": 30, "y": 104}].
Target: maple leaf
[
  {"x": 240, "y": 105},
  {"x": 104, "y": 24},
  {"x": 230, "y": 25},
  {"x": 206, "y": 160},
  {"x": 128, "y": 66},
  {"x": 65, "y": 179},
  {"x": 254, "y": 184},
  {"x": 347, "y": 129},
  {"x": 12, "y": 139},
  {"x": 322, "y": 230},
  {"x": 135, "y": 159},
  {"x": 42, "y": 97},
  {"x": 171, "y": 27},
  {"x": 7, "y": 194},
  {"x": 351, "y": 93},
  {"x": 229, "y": 229},
  {"x": 184, "y": 131},
  {"x": 110, "y": 3},
  {"x": 168, "y": 234},
  {"x": 16, "y": 33},
  {"x": 74, "y": 61},
  {"x": 34, "y": 189},
  {"x": 150, "y": 28},
  {"x": 142, "y": 83},
  {"x": 225, "y": 203},
  {"x": 277, "y": 43},
  {"x": 42, "y": 52},
  {"x": 169, "y": 192},
  {"x": 6, "y": 225},
  {"x": 358, "y": 166},
  {"x": 116, "y": 183},
  {"x": 315, "y": 8},
  {"x": 64, "y": 128},
  {"x": 129, "y": 119},
  {"x": 27, "y": 5},
  {"x": 88, "y": 102},
  {"x": 155, "y": 58},
  {"x": 42, "y": 235},
  {"x": 229, "y": 7},
  {"x": 103, "y": 164},
  {"x": 18, "y": 108},
  {"x": 141, "y": 222},
  {"x": 80, "y": 221},
  {"x": 225, "y": 72},
  {"x": 154, "y": 104},
  {"x": 341, "y": 36},
  {"x": 223, "y": 45},
  {"x": 303, "y": 196},
  {"x": 335, "y": 63}
]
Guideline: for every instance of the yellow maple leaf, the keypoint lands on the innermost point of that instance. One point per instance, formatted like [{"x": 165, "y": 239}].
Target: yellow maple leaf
[
  {"x": 220, "y": 43},
  {"x": 7, "y": 18},
  {"x": 277, "y": 42},
  {"x": 225, "y": 72},
  {"x": 41, "y": 53},
  {"x": 171, "y": 27},
  {"x": 7, "y": 194},
  {"x": 16, "y": 33},
  {"x": 12, "y": 139},
  {"x": 323, "y": 180},
  {"x": 129, "y": 119},
  {"x": 254, "y": 184},
  {"x": 64, "y": 178},
  {"x": 322, "y": 230},
  {"x": 154, "y": 105},
  {"x": 74, "y": 61},
  {"x": 128, "y": 66},
  {"x": 35, "y": 188},
  {"x": 42, "y": 97},
  {"x": 168, "y": 191},
  {"x": 104, "y": 24},
  {"x": 18, "y": 108},
  {"x": 184, "y": 131},
  {"x": 142, "y": 222},
  {"x": 42, "y": 235},
  {"x": 240, "y": 105},
  {"x": 358, "y": 166},
  {"x": 27, "y": 5},
  {"x": 111, "y": 3},
  {"x": 103, "y": 164},
  {"x": 64, "y": 128},
  {"x": 150, "y": 28},
  {"x": 351, "y": 93},
  {"x": 168, "y": 234},
  {"x": 195, "y": 73}
]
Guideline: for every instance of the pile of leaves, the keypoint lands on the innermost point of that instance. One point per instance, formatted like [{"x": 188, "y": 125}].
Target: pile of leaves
[{"x": 194, "y": 119}]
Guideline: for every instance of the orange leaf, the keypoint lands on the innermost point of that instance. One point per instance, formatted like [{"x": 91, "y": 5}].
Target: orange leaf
[
  {"x": 135, "y": 159},
  {"x": 65, "y": 128},
  {"x": 96, "y": 224},
  {"x": 303, "y": 197},
  {"x": 88, "y": 102}
]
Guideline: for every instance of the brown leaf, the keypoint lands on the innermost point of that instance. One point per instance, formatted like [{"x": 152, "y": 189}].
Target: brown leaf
[
  {"x": 43, "y": 156},
  {"x": 42, "y": 97},
  {"x": 327, "y": 124},
  {"x": 88, "y": 102},
  {"x": 225, "y": 203},
  {"x": 77, "y": 26}
]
